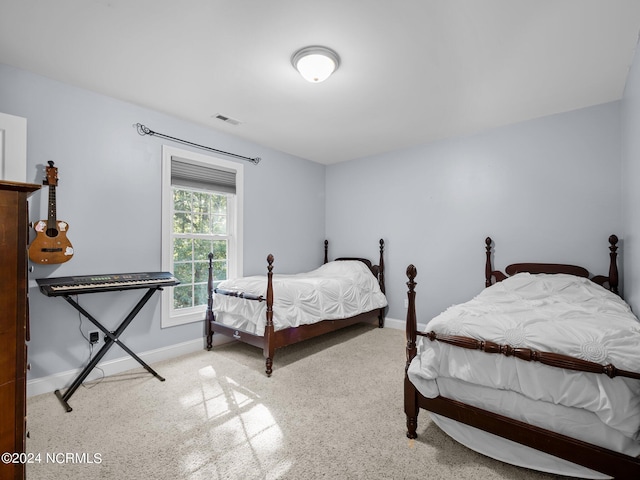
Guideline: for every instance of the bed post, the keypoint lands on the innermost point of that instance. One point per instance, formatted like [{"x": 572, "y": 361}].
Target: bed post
[
  {"x": 410, "y": 392},
  {"x": 381, "y": 265},
  {"x": 269, "y": 348},
  {"x": 487, "y": 267},
  {"x": 613, "y": 264},
  {"x": 326, "y": 251},
  {"x": 381, "y": 282},
  {"x": 209, "y": 317}
]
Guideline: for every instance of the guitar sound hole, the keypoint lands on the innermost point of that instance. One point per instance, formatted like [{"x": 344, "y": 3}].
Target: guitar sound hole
[{"x": 52, "y": 232}]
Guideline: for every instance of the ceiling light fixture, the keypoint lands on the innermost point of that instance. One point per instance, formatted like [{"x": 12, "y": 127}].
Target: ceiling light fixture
[{"x": 315, "y": 63}]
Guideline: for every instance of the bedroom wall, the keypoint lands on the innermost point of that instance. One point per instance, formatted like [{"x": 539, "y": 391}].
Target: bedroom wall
[
  {"x": 545, "y": 190},
  {"x": 109, "y": 193},
  {"x": 631, "y": 184}
]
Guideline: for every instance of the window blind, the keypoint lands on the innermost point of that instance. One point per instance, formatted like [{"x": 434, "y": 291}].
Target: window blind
[{"x": 194, "y": 175}]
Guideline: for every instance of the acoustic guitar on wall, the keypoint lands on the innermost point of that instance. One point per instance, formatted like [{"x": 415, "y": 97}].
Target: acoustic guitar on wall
[{"x": 51, "y": 244}]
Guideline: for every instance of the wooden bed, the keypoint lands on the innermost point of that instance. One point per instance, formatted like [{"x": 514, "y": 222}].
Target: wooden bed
[
  {"x": 273, "y": 339},
  {"x": 591, "y": 456}
]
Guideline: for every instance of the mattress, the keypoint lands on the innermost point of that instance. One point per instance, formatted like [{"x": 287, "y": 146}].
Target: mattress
[
  {"x": 553, "y": 313},
  {"x": 336, "y": 290}
]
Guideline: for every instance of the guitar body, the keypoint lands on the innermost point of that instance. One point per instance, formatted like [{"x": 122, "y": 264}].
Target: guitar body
[{"x": 51, "y": 245}]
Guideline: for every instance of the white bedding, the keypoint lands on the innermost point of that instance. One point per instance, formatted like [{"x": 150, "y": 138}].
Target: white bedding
[
  {"x": 336, "y": 290},
  {"x": 552, "y": 313}
]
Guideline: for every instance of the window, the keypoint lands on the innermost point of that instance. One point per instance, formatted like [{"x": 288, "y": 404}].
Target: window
[{"x": 202, "y": 214}]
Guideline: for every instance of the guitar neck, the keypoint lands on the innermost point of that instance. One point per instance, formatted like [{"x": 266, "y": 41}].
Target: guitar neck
[{"x": 51, "y": 221}]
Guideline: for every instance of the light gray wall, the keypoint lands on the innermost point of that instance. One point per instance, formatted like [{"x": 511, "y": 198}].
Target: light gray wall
[
  {"x": 109, "y": 193},
  {"x": 631, "y": 184},
  {"x": 548, "y": 189},
  {"x": 545, "y": 190}
]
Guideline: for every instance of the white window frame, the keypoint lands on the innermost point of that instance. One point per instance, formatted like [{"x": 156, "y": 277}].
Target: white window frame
[{"x": 169, "y": 317}]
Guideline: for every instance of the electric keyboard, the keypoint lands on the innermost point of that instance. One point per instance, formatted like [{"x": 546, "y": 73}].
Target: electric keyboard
[
  {"x": 68, "y": 287},
  {"x": 75, "y": 285}
]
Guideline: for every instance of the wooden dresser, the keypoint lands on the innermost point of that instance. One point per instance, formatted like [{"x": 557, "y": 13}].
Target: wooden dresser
[{"x": 14, "y": 321}]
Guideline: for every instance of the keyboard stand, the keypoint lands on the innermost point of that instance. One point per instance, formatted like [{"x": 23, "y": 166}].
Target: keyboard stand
[{"x": 111, "y": 338}]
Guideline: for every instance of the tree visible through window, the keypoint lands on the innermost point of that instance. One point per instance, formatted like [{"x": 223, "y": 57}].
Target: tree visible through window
[
  {"x": 200, "y": 226},
  {"x": 202, "y": 205}
]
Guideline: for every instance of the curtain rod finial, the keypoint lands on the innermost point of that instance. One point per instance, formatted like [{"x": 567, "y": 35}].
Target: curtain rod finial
[{"x": 142, "y": 130}]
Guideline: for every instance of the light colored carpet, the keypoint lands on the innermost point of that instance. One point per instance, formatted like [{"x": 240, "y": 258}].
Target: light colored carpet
[{"x": 333, "y": 409}]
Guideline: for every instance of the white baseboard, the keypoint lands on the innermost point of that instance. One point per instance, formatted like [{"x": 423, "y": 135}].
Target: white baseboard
[
  {"x": 394, "y": 323},
  {"x": 61, "y": 380},
  {"x": 401, "y": 324}
]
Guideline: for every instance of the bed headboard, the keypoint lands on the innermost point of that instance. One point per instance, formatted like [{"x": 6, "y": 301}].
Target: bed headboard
[
  {"x": 611, "y": 280},
  {"x": 376, "y": 270}
]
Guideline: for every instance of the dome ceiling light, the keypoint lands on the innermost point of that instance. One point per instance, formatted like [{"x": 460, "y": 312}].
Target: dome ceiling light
[{"x": 315, "y": 63}]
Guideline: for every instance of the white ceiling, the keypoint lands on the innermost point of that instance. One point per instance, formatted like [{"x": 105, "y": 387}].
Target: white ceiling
[{"x": 412, "y": 71}]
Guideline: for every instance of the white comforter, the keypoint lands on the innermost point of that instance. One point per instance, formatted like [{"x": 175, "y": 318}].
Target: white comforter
[
  {"x": 553, "y": 313},
  {"x": 339, "y": 289}
]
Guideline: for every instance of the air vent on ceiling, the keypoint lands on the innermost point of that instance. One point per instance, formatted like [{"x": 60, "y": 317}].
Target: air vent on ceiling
[{"x": 227, "y": 119}]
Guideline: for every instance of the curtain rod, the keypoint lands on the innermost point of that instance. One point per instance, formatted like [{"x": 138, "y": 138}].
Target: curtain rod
[{"x": 142, "y": 130}]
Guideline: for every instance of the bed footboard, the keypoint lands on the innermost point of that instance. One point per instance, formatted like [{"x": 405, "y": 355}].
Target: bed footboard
[{"x": 266, "y": 342}]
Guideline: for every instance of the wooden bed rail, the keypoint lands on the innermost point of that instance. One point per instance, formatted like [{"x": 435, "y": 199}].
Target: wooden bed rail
[
  {"x": 235, "y": 293},
  {"x": 548, "y": 358}
]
